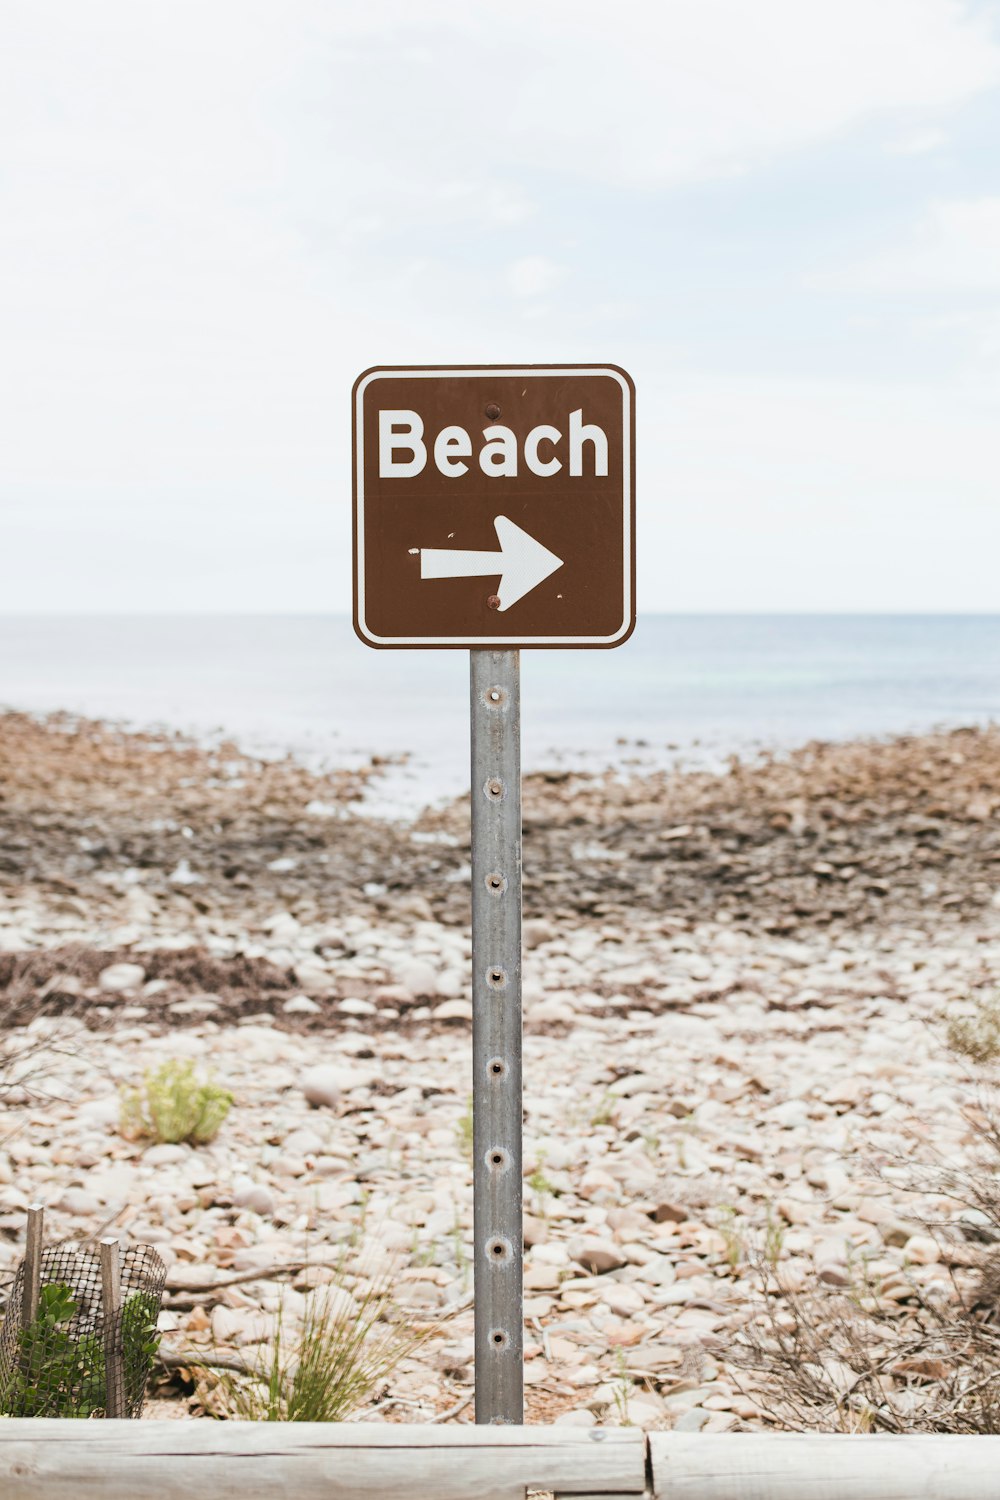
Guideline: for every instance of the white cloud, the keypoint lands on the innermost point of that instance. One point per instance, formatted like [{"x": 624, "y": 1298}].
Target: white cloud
[
  {"x": 816, "y": 495},
  {"x": 918, "y": 142},
  {"x": 532, "y": 276},
  {"x": 213, "y": 213},
  {"x": 954, "y": 249}
]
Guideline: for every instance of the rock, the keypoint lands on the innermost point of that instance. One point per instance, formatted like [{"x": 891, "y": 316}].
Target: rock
[
  {"x": 198, "y": 1005},
  {"x": 598, "y": 1256},
  {"x": 792, "y": 1115},
  {"x": 118, "y": 977},
  {"x": 452, "y": 984},
  {"x": 644, "y": 1411},
  {"x": 78, "y": 1202},
  {"x": 353, "y": 1006},
  {"x": 418, "y": 978},
  {"x": 453, "y": 1010},
  {"x": 313, "y": 975},
  {"x": 301, "y": 1005},
  {"x": 922, "y": 1250},
  {"x": 541, "y": 1278},
  {"x": 165, "y": 1154},
  {"x": 333, "y": 1303},
  {"x": 323, "y": 1085},
  {"x": 667, "y": 1211},
  {"x": 623, "y": 1300},
  {"x": 535, "y": 931},
  {"x": 106, "y": 1111},
  {"x": 693, "y": 1420},
  {"x": 578, "y": 1416},
  {"x": 255, "y": 1196}
]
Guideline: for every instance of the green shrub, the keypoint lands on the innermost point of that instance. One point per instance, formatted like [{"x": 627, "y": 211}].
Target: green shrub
[
  {"x": 60, "y": 1373},
  {"x": 173, "y": 1104}
]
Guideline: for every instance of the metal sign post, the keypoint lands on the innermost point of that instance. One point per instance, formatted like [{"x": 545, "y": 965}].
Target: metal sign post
[
  {"x": 522, "y": 475},
  {"x": 496, "y": 1034}
]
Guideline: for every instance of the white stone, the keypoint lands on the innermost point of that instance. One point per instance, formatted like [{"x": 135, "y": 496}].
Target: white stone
[
  {"x": 253, "y": 1195},
  {"x": 301, "y": 1005},
  {"x": 323, "y": 1084},
  {"x": 922, "y": 1250},
  {"x": 118, "y": 977},
  {"x": 453, "y": 1010}
]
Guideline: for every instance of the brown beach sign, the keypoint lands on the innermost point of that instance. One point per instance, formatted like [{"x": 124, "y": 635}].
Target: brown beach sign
[{"x": 494, "y": 506}]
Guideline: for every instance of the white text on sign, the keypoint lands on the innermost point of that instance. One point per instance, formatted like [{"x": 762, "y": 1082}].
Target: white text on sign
[{"x": 402, "y": 432}]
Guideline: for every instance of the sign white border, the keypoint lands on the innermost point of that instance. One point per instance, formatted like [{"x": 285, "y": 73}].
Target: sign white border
[{"x": 498, "y": 643}]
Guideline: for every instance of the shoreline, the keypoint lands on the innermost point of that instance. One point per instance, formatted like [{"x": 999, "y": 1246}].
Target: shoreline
[{"x": 734, "y": 996}]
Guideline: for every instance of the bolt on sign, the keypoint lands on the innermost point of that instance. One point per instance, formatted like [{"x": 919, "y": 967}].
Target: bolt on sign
[{"x": 494, "y": 506}]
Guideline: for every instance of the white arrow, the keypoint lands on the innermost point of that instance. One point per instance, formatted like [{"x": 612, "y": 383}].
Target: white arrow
[{"x": 522, "y": 563}]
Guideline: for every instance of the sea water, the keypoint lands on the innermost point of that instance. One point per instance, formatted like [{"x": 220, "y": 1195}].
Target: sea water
[{"x": 693, "y": 688}]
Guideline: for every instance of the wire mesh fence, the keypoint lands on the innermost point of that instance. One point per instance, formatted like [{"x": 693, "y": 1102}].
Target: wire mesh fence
[{"x": 79, "y": 1335}]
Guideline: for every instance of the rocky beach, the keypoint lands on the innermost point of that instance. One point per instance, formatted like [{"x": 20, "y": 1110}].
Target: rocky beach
[{"x": 737, "y": 987}]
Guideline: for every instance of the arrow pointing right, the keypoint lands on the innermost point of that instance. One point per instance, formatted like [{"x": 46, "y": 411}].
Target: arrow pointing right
[{"x": 522, "y": 562}]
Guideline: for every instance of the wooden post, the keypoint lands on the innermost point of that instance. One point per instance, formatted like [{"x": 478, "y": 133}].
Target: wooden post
[
  {"x": 32, "y": 1285},
  {"x": 111, "y": 1302}
]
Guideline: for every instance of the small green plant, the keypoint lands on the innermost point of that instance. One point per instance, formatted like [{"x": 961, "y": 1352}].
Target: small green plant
[
  {"x": 728, "y": 1228},
  {"x": 977, "y": 1037},
  {"x": 325, "y": 1367},
  {"x": 542, "y": 1186},
  {"x": 623, "y": 1391},
  {"x": 774, "y": 1239},
  {"x": 173, "y": 1104},
  {"x": 604, "y": 1111},
  {"x": 459, "y": 1250},
  {"x": 464, "y": 1130},
  {"x": 61, "y": 1373}
]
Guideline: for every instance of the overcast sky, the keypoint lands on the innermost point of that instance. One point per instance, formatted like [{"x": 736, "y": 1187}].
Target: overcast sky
[{"x": 783, "y": 218}]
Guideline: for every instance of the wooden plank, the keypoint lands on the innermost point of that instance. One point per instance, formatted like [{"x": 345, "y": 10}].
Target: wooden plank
[
  {"x": 812, "y": 1466},
  {"x": 64, "y": 1460}
]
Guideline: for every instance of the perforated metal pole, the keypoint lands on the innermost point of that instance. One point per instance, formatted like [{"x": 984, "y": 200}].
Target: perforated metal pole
[{"x": 496, "y": 1035}]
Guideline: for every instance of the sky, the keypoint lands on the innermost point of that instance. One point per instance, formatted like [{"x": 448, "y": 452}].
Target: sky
[{"x": 783, "y": 218}]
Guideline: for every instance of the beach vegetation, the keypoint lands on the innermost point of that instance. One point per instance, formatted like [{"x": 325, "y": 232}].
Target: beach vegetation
[
  {"x": 174, "y": 1104},
  {"x": 464, "y": 1129},
  {"x": 976, "y": 1035},
  {"x": 59, "y": 1370},
  {"x": 323, "y": 1365}
]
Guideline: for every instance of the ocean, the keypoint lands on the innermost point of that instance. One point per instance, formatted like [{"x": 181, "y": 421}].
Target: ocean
[{"x": 688, "y": 688}]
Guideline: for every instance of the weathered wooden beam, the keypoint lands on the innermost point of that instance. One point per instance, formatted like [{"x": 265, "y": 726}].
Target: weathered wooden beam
[
  {"x": 64, "y": 1460},
  {"x": 813, "y": 1466}
]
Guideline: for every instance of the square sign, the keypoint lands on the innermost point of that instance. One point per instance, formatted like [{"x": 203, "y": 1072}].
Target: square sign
[{"x": 494, "y": 506}]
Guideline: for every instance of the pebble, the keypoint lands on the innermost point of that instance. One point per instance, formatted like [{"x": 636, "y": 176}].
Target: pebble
[
  {"x": 453, "y": 1010},
  {"x": 301, "y": 1005},
  {"x": 695, "y": 1085},
  {"x": 118, "y": 977},
  {"x": 598, "y": 1256},
  {"x": 323, "y": 1085}
]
